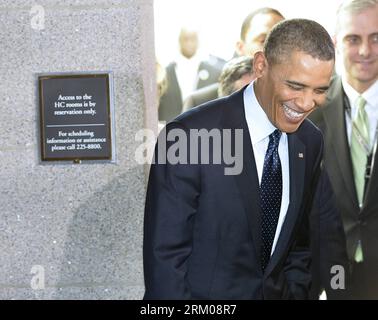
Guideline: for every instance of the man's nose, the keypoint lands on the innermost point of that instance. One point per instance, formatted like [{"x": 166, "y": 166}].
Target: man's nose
[
  {"x": 364, "y": 49},
  {"x": 306, "y": 102}
]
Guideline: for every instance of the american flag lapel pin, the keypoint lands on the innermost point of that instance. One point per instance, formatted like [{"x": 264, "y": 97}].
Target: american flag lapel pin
[{"x": 300, "y": 155}]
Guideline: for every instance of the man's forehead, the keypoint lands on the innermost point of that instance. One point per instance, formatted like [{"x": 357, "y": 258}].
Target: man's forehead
[
  {"x": 304, "y": 64},
  {"x": 365, "y": 21},
  {"x": 189, "y": 34},
  {"x": 262, "y": 23}
]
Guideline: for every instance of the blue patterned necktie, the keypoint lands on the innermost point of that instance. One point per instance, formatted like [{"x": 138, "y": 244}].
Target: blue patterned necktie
[{"x": 270, "y": 196}]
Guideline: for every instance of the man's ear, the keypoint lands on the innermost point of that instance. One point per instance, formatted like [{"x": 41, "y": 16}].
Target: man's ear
[
  {"x": 335, "y": 43},
  {"x": 239, "y": 48},
  {"x": 259, "y": 64}
]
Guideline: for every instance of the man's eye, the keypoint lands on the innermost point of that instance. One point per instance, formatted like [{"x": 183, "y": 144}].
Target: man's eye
[
  {"x": 352, "y": 39},
  {"x": 321, "y": 91},
  {"x": 294, "y": 87}
]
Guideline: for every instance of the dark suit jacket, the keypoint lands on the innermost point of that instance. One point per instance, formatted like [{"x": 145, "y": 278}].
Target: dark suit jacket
[
  {"x": 358, "y": 223},
  {"x": 328, "y": 243},
  {"x": 201, "y": 96},
  {"x": 202, "y": 231},
  {"x": 171, "y": 104}
]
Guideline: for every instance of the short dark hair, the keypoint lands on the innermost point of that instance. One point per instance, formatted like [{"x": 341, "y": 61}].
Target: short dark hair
[
  {"x": 303, "y": 35},
  {"x": 247, "y": 21},
  {"x": 232, "y": 71}
]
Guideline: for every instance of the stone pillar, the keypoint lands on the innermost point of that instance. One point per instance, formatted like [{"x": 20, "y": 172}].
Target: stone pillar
[{"x": 73, "y": 231}]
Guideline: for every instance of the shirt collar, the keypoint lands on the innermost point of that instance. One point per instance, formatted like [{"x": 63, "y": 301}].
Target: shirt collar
[
  {"x": 258, "y": 122},
  {"x": 370, "y": 95}
]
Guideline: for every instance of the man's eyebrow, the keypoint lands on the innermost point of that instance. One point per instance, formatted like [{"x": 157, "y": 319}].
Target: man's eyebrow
[
  {"x": 298, "y": 84},
  {"x": 295, "y": 83},
  {"x": 324, "y": 88}
]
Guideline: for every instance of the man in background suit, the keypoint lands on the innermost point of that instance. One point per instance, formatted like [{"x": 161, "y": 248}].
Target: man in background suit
[
  {"x": 253, "y": 33},
  {"x": 214, "y": 234},
  {"x": 348, "y": 122},
  {"x": 236, "y": 74},
  {"x": 187, "y": 73}
]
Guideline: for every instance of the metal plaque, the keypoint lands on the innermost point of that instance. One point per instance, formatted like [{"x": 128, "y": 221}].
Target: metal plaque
[{"x": 76, "y": 117}]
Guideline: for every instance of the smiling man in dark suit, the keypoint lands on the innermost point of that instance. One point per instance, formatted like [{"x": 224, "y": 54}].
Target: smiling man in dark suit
[{"x": 210, "y": 233}]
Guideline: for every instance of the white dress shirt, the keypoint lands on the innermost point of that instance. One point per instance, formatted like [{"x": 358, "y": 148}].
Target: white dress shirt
[
  {"x": 371, "y": 107},
  {"x": 260, "y": 128},
  {"x": 187, "y": 73}
]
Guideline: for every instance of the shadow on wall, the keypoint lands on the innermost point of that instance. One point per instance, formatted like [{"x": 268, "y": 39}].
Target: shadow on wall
[{"x": 103, "y": 252}]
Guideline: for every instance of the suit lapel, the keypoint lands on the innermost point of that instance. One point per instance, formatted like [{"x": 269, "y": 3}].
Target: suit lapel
[
  {"x": 247, "y": 181},
  {"x": 297, "y": 160},
  {"x": 174, "y": 81},
  {"x": 248, "y": 185},
  {"x": 371, "y": 191},
  {"x": 334, "y": 117}
]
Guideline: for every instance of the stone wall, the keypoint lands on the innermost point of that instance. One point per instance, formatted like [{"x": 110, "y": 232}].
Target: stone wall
[{"x": 73, "y": 231}]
